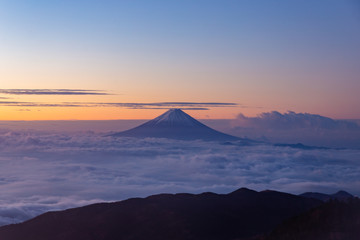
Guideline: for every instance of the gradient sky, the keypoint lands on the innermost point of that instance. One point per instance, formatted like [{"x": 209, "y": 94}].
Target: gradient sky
[{"x": 302, "y": 56}]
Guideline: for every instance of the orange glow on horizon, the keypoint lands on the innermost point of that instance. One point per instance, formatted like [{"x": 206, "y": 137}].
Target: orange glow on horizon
[
  {"x": 116, "y": 113},
  {"x": 103, "y": 113}
]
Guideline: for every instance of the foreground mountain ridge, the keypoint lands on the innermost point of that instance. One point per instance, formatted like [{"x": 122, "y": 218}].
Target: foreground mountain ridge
[{"x": 242, "y": 214}]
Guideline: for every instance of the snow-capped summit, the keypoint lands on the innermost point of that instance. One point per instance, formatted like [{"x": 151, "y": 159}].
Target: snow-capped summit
[
  {"x": 174, "y": 117},
  {"x": 176, "y": 124}
]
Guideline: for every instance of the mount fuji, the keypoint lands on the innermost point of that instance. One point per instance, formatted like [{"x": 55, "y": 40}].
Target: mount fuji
[{"x": 176, "y": 124}]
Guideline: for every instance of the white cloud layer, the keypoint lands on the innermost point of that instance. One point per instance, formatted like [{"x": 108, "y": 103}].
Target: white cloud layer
[{"x": 41, "y": 171}]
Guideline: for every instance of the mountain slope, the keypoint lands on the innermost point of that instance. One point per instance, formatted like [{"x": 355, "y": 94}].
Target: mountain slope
[
  {"x": 176, "y": 124},
  {"x": 335, "y": 220},
  {"x": 238, "y": 215}
]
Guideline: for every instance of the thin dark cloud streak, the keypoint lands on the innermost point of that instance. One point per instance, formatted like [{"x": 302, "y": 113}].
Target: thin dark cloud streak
[
  {"x": 198, "y": 103},
  {"x": 157, "y": 105},
  {"x": 154, "y": 105},
  {"x": 34, "y": 104},
  {"x": 166, "y": 108},
  {"x": 165, "y": 105},
  {"x": 52, "y": 92}
]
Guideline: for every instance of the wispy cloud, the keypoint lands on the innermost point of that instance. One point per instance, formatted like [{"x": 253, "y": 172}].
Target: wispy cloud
[
  {"x": 36, "y": 104},
  {"x": 52, "y": 92},
  {"x": 156, "y": 105},
  {"x": 24, "y": 110},
  {"x": 133, "y": 105},
  {"x": 166, "y": 105},
  {"x": 166, "y": 108}
]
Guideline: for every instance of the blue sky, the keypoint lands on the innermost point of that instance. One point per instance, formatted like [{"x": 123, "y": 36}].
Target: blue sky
[{"x": 277, "y": 55}]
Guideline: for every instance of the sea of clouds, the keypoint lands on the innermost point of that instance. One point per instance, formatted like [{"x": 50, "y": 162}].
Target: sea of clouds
[{"x": 52, "y": 170}]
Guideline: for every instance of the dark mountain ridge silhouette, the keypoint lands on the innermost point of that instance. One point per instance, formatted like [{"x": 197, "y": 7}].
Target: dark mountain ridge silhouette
[
  {"x": 176, "y": 124},
  {"x": 241, "y": 214},
  {"x": 333, "y": 220}
]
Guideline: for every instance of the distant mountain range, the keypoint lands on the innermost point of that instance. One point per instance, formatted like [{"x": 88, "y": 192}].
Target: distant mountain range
[
  {"x": 242, "y": 214},
  {"x": 176, "y": 124},
  {"x": 340, "y": 195}
]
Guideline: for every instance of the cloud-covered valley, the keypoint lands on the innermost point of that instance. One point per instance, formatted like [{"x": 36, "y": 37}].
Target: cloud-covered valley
[{"x": 44, "y": 170}]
